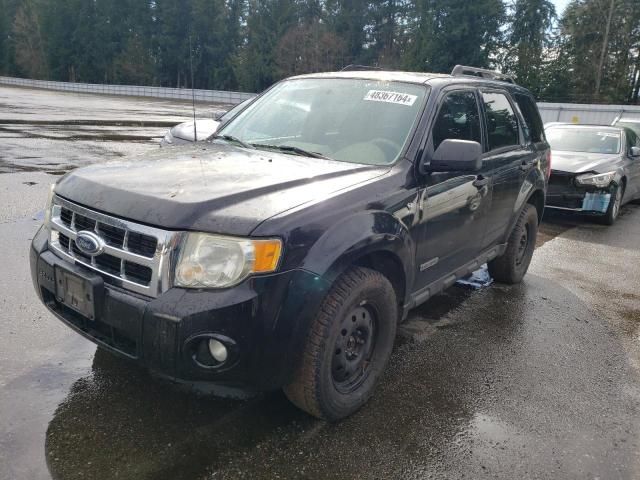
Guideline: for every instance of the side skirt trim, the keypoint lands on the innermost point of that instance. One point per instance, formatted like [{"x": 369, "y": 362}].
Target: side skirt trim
[{"x": 425, "y": 293}]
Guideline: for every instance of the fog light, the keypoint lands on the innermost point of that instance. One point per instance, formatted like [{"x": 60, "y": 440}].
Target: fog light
[{"x": 218, "y": 350}]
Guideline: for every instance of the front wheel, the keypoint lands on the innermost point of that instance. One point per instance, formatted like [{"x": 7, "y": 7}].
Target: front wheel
[
  {"x": 512, "y": 265},
  {"x": 347, "y": 347},
  {"x": 615, "y": 203}
]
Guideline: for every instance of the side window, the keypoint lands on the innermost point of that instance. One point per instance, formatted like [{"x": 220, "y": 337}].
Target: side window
[
  {"x": 632, "y": 139},
  {"x": 502, "y": 124},
  {"x": 458, "y": 119},
  {"x": 531, "y": 116}
]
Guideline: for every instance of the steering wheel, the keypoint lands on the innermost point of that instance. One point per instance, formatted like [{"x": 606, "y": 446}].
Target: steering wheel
[{"x": 389, "y": 147}]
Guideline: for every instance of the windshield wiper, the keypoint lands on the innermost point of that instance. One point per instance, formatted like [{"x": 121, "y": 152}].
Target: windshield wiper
[
  {"x": 232, "y": 139},
  {"x": 292, "y": 149}
]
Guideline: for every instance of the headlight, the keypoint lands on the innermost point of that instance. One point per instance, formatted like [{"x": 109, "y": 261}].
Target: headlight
[
  {"x": 596, "y": 179},
  {"x": 167, "y": 139},
  {"x": 215, "y": 261},
  {"x": 48, "y": 206}
]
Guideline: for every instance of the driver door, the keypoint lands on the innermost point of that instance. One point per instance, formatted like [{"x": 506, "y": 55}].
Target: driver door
[{"x": 454, "y": 205}]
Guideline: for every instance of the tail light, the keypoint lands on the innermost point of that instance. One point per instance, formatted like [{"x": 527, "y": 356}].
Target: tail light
[{"x": 548, "y": 172}]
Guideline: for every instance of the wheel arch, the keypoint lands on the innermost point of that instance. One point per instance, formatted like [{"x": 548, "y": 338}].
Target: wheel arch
[
  {"x": 376, "y": 240},
  {"x": 389, "y": 265},
  {"x": 537, "y": 199}
]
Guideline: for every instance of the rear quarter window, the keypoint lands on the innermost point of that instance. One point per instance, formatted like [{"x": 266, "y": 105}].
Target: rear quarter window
[{"x": 531, "y": 115}]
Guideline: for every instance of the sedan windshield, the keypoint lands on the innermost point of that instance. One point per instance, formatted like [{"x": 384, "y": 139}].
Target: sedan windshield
[
  {"x": 350, "y": 120},
  {"x": 589, "y": 140}
]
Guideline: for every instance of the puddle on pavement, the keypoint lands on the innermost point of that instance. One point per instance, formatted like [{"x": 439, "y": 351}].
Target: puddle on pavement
[
  {"x": 93, "y": 122},
  {"x": 120, "y": 422},
  {"x": 84, "y": 137}
]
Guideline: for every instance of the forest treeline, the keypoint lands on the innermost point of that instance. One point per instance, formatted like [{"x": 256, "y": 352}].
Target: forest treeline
[{"x": 588, "y": 53}]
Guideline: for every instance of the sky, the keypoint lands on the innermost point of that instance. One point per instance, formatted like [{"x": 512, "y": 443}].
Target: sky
[{"x": 560, "y": 6}]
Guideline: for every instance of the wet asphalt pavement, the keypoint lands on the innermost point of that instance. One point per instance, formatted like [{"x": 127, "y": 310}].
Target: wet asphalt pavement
[{"x": 539, "y": 380}]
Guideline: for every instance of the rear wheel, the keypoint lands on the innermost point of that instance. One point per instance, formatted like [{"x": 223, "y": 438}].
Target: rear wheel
[
  {"x": 348, "y": 346},
  {"x": 512, "y": 265}
]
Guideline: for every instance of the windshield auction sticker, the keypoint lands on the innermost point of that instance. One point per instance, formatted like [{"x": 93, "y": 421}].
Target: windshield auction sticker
[{"x": 390, "y": 97}]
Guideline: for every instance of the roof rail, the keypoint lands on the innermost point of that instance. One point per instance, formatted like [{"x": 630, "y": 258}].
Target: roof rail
[
  {"x": 459, "y": 70},
  {"x": 359, "y": 68}
]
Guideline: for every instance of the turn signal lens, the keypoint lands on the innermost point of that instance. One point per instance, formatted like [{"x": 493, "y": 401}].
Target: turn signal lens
[{"x": 267, "y": 254}]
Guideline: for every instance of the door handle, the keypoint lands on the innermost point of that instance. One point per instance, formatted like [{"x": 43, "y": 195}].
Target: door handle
[
  {"x": 526, "y": 166},
  {"x": 480, "y": 182}
]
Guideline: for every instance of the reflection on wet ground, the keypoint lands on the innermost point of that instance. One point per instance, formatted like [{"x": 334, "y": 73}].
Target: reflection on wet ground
[{"x": 56, "y": 132}]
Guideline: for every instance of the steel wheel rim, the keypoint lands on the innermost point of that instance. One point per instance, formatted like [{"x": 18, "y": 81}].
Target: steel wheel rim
[
  {"x": 353, "y": 349},
  {"x": 523, "y": 246}
]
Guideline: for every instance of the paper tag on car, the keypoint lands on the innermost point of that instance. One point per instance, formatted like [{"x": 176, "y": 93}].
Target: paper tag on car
[{"x": 390, "y": 97}]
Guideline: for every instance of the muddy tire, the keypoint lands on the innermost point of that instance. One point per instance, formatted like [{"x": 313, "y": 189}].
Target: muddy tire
[
  {"x": 348, "y": 346},
  {"x": 613, "y": 211},
  {"x": 512, "y": 265}
]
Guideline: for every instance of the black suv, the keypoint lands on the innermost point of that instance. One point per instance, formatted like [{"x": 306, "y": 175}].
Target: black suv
[{"x": 283, "y": 252}]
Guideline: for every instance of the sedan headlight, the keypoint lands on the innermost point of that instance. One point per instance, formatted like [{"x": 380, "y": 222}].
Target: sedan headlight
[
  {"x": 167, "y": 139},
  {"x": 596, "y": 179},
  {"x": 49, "y": 206},
  {"x": 215, "y": 261}
]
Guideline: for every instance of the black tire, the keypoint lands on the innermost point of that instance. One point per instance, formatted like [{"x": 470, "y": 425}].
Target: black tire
[
  {"x": 613, "y": 211},
  {"x": 512, "y": 265},
  {"x": 354, "y": 329}
]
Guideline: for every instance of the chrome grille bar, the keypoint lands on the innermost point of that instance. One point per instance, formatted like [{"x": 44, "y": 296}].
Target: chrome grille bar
[{"x": 159, "y": 263}]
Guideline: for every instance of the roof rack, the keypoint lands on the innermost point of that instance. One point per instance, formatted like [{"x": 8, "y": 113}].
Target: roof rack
[
  {"x": 359, "y": 68},
  {"x": 459, "y": 70}
]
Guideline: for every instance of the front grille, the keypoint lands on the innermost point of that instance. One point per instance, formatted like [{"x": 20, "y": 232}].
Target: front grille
[
  {"x": 561, "y": 179},
  {"x": 114, "y": 236},
  {"x": 135, "y": 257}
]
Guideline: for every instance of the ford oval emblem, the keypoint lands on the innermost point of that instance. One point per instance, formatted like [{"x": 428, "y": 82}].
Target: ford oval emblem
[{"x": 89, "y": 243}]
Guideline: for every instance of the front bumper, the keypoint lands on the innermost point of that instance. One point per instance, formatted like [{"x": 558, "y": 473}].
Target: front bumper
[
  {"x": 564, "y": 193},
  {"x": 264, "y": 321}
]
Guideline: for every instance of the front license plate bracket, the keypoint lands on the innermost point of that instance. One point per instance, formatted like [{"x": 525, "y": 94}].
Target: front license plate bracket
[{"x": 81, "y": 294}]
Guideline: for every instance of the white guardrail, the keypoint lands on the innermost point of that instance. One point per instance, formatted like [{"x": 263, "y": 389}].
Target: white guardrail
[
  {"x": 210, "y": 96},
  {"x": 550, "y": 112},
  {"x": 586, "y": 114}
]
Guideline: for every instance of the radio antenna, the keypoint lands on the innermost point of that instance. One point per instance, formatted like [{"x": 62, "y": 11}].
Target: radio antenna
[{"x": 193, "y": 93}]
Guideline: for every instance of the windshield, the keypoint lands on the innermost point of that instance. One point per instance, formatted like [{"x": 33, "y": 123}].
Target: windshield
[
  {"x": 227, "y": 115},
  {"x": 350, "y": 120},
  {"x": 589, "y": 140}
]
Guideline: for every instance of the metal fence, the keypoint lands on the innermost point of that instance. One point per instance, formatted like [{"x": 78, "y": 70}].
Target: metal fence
[
  {"x": 586, "y": 114},
  {"x": 211, "y": 96},
  {"x": 551, "y": 112}
]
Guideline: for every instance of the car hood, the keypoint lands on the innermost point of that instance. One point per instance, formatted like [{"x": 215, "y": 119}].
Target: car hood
[
  {"x": 204, "y": 128},
  {"x": 578, "y": 162},
  {"x": 209, "y": 187}
]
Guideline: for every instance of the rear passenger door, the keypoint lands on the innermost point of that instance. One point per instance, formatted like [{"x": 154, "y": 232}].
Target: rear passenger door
[{"x": 506, "y": 161}]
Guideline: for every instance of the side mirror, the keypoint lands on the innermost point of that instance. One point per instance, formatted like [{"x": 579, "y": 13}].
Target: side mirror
[
  {"x": 455, "y": 155},
  {"x": 218, "y": 116},
  {"x": 635, "y": 151}
]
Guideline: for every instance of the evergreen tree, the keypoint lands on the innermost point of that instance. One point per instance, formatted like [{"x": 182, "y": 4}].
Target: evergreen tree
[
  {"x": 591, "y": 54},
  {"x": 529, "y": 41},
  {"x": 267, "y": 22},
  {"x": 450, "y": 32}
]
